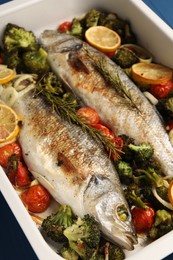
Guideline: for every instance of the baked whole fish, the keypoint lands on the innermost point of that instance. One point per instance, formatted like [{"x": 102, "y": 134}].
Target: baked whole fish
[
  {"x": 73, "y": 167},
  {"x": 102, "y": 85}
]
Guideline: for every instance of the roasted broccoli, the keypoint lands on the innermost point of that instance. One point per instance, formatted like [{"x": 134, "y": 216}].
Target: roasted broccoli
[
  {"x": 36, "y": 61},
  {"x": 124, "y": 58},
  {"x": 16, "y": 37},
  {"x": 76, "y": 28},
  {"x": 13, "y": 60},
  {"x": 163, "y": 224},
  {"x": 142, "y": 152},
  {"x": 133, "y": 196},
  {"x": 92, "y": 18},
  {"x": 125, "y": 171},
  {"x": 83, "y": 236},
  {"x": 111, "y": 251},
  {"x": 165, "y": 107},
  {"x": 55, "y": 224},
  {"x": 68, "y": 253}
]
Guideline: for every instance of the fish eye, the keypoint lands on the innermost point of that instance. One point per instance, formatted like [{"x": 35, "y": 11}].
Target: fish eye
[{"x": 122, "y": 213}]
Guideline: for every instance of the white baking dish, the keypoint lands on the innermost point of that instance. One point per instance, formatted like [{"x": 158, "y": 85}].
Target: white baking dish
[{"x": 153, "y": 33}]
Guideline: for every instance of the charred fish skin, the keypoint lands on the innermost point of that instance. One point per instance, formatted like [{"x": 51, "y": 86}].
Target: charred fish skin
[
  {"x": 128, "y": 112},
  {"x": 73, "y": 167}
]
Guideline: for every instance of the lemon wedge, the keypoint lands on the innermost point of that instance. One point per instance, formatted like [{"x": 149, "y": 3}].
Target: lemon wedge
[
  {"x": 9, "y": 123},
  {"x": 6, "y": 75},
  {"x": 103, "y": 38}
]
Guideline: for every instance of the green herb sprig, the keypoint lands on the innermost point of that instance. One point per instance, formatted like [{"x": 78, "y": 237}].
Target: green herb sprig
[{"x": 65, "y": 105}]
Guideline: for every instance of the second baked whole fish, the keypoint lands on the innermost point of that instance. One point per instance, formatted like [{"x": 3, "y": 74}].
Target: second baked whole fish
[{"x": 102, "y": 85}]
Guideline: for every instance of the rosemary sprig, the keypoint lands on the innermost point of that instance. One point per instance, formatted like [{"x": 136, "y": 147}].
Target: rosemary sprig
[
  {"x": 114, "y": 79},
  {"x": 65, "y": 105}
]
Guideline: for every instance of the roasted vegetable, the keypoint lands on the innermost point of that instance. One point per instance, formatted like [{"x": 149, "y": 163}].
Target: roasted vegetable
[
  {"x": 55, "y": 224},
  {"x": 133, "y": 196},
  {"x": 163, "y": 224},
  {"x": 92, "y": 18},
  {"x": 68, "y": 253},
  {"x": 76, "y": 28},
  {"x": 125, "y": 171},
  {"x": 83, "y": 236},
  {"x": 124, "y": 58},
  {"x": 16, "y": 37},
  {"x": 36, "y": 61},
  {"x": 142, "y": 152}
]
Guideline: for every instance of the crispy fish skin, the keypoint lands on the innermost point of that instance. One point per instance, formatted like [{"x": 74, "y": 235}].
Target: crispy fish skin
[
  {"x": 75, "y": 62},
  {"x": 73, "y": 167}
]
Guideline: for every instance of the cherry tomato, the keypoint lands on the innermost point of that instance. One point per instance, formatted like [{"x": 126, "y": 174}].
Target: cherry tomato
[
  {"x": 169, "y": 125},
  {"x": 110, "y": 54},
  {"x": 89, "y": 114},
  {"x": 7, "y": 151},
  {"x": 105, "y": 131},
  {"x": 1, "y": 60},
  {"x": 18, "y": 174},
  {"x": 161, "y": 90},
  {"x": 36, "y": 198},
  {"x": 143, "y": 219},
  {"x": 64, "y": 27},
  {"x": 118, "y": 141}
]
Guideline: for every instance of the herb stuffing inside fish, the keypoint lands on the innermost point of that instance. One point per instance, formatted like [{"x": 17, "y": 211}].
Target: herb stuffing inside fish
[
  {"x": 72, "y": 166},
  {"x": 102, "y": 85}
]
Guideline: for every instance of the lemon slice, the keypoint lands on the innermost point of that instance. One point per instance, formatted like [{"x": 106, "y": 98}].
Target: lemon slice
[
  {"x": 103, "y": 38},
  {"x": 6, "y": 75},
  {"x": 9, "y": 123},
  {"x": 150, "y": 73},
  {"x": 170, "y": 192}
]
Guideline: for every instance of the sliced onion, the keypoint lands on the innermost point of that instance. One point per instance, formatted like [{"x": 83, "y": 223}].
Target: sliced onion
[{"x": 163, "y": 202}]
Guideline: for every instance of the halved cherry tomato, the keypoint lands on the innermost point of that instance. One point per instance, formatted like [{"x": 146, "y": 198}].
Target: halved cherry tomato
[
  {"x": 142, "y": 219},
  {"x": 7, "y": 151},
  {"x": 64, "y": 27},
  {"x": 161, "y": 90},
  {"x": 17, "y": 172},
  {"x": 105, "y": 131},
  {"x": 89, "y": 114},
  {"x": 37, "y": 199}
]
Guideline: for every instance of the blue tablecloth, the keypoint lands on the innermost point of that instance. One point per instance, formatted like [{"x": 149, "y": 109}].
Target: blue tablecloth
[{"x": 13, "y": 243}]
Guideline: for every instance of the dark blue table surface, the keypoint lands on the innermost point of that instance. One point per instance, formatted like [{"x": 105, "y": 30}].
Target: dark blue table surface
[{"x": 13, "y": 243}]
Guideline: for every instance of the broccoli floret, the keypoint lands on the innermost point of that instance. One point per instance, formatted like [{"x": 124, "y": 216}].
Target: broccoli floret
[
  {"x": 163, "y": 224},
  {"x": 76, "y": 28},
  {"x": 16, "y": 37},
  {"x": 92, "y": 18},
  {"x": 68, "y": 253},
  {"x": 13, "y": 60},
  {"x": 133, "y": 196},
  {"x": 36, "y": 61},
  {"x": 84, "y": 236},
  {"x": 124, "y": 58},
  {"x": 165, "y": 107},
  {"x": 55, "y": 224},
  {"x": 142, "y": 152},
  {"x": 125, "y": 171},
  {"x": 112, "y": 252}
]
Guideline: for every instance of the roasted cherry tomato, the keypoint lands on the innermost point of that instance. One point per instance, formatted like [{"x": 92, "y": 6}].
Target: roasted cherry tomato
[
  {"x": 143, "y": 219},
  {"x": 64, "y": 27},
  {"x": 161, "y": 90},
  {"x": 7, "y": 151},
  {"x": 118, "y": 141},
  {"x": 110, "y": 54},
  {"x": 18, "y": 173},
  {"x": 169, "y": 125},
  {"x": 36, "y": 198},
  {"x": 105, "y": 131},
  {"x": 89, "y": 114}
]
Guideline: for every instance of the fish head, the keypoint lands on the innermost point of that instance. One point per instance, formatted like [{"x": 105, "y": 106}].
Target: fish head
[{"x": 107, "y": 204}]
